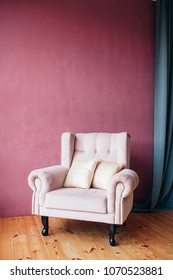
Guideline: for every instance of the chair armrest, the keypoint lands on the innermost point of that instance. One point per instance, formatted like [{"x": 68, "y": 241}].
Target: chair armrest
[
  {"x": 121, "y": 186},
  {"x": 50, "y": 178},
  {"x": 44, "y": 180},
  {"x": 128, "y": 178}
]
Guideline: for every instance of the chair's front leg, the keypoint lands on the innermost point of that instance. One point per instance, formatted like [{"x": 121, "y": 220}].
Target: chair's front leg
[
  {"x": 44, "y": 220},
  {"x": 112, "y": 231}
]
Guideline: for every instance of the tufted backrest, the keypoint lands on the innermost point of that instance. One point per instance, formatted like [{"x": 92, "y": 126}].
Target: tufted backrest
[{"x": 112, "y": 147}]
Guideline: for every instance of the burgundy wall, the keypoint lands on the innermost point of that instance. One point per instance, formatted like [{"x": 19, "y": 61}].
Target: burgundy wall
[{"x": 72, "y": 65}]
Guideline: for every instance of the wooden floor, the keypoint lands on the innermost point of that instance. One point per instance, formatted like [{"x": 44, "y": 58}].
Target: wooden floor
[{"x": 146, "y": 236}]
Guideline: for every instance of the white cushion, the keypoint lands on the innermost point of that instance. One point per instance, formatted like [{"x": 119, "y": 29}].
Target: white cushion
[
  {"x": 77, "y": 199},
  {"x": 81, "y": 173},
  {"x": 104, "y": 172}
]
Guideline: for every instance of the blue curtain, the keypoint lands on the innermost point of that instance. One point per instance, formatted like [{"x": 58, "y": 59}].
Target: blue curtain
[
  {"x": 161, "y": 196},
  {"x": 162, "y": 189}
]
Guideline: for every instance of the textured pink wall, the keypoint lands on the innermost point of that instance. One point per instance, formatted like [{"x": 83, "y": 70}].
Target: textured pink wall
[{"x": 74, "y": 66}]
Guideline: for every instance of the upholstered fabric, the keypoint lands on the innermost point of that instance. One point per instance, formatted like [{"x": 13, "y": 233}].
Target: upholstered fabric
[
  {"x": 51, "y": 177},
  {"x": 44, "y": 180},
  {"x": 112, "y": 205},
  {"x": 81, "y": 173},
  {"x": 104, "y": 172},
  {"x": 108, "y": 218},
  {"x": 111, "y": 147},
  {"x": 129, "y": 178},
  {"x": 67, "y": 148},
  {"x": 121, "y": 185},
  {"x": 76, "y": 199}
]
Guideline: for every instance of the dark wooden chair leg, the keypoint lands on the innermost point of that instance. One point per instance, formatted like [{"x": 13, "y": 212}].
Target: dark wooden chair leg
[
  {"x": 112, "y": 231},
  {"x": 44, "y": 220}
]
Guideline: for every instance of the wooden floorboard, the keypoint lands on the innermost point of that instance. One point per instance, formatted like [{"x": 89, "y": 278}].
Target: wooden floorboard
[{"x": 146, "y": 237}]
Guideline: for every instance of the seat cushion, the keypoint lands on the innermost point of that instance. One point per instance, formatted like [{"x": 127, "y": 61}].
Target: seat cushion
[{"x": 76, "y": 199}]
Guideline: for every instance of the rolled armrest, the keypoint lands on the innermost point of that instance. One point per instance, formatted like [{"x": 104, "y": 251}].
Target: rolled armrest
[
  {"x": 128, "y": 178},
  {"x": 120, "y": 194},
  {"x": 121, "y": 186},
  {"x": 44, "y": 180},
  {"x": 50, "y": 177}
]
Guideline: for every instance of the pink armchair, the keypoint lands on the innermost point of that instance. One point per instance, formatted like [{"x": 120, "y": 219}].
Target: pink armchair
[{"x": 93, "y": 182}]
